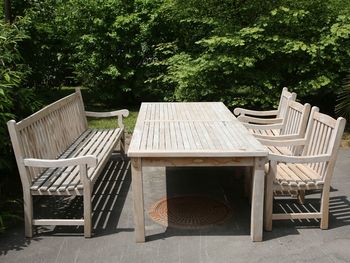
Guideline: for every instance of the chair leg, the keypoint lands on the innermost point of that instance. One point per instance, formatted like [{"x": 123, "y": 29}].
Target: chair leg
[
  {"x": 269, "y": 197},
  {"x": 325, "y": 207},
  {"x": 28, "y": 214},
  {"x": 301, "y": 197}
]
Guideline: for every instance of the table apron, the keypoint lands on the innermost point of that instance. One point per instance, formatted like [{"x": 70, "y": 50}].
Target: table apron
[{"x": 197, "y": 161}]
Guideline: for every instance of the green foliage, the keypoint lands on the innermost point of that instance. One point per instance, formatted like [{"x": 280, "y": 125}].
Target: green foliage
[
  {"x": 108, "y": 41},
  {"x": 46, "y": 51},
  {"x": 300, "y": 44},
  {"x": 343, "y": 105},
  {"x": 108, "y": 123},
  {"x": 232, "y": 51},
  {"x": 9, "y": 213},
  {"x": 16, "y": 101},
  {"x": 13, "y": 99}
]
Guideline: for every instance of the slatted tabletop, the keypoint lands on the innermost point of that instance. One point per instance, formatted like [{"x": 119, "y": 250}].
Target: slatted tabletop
[
  {"x": 194, "y": 134},
  {"x": 191, "y": 129}
]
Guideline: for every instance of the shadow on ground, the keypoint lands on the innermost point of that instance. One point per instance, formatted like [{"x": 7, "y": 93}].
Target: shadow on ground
[
  {"x": 113, "y": 186},
  {"x": 227, "y": 185},
  {"x": 108, "y": 199}
]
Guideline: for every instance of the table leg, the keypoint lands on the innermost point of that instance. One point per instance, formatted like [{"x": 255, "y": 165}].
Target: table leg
[
  {"x": 257, "y": 206},
  {"x": 137, "y": 191}
]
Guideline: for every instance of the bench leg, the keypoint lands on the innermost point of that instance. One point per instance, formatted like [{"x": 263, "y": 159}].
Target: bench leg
[
  {"x": 28, "y": 214},
  {"x": 87, "y": 211},
  {"x": 122, "y": 145}
]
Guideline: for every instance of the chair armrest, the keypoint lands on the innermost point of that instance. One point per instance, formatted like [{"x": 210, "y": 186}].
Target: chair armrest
[
  {"x": 278, "y": 137},
  {"x": 274, "y": 126},
  {"x": 282, "y": 143},
  {"x": 89, "y": 160},
  {"x": 241, "y": 111},
  {"x": 299, "y": 159},
  {"x": 249, "y": 119},
  {"x": 119, "y": 113}
]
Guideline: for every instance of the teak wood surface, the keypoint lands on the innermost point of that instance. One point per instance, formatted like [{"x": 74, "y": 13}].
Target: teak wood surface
[{"x": 194, "y": 134}]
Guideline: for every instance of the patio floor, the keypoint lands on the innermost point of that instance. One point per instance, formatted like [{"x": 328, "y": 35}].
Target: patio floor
[{"x": 113, "y": 241}]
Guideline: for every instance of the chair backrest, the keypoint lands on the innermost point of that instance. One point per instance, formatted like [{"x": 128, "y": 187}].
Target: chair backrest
[
  {"x": 48, "y": 132},
  {"x": 296, "y": 118},
  {"x": 295, "y": 121},
  {"x": 323, "y": 136},
  {"x": 283, "y": 103}
]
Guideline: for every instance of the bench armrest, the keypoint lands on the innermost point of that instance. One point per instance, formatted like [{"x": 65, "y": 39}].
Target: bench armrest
[
  {"x": 82, "y": 161},
  {"x": 89, "y": 160},
  {"x": 249, "y": 119},
  {"x": 118, "y": 113},
  {"x": 300, "y": 159},
  {"x": 241, "y": 111}
]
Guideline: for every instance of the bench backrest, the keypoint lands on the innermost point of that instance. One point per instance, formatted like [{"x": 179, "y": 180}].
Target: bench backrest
[
  {"x": 48, "y": 132},
  {"x": 323, "y": 136},
  {"x": 283, "y": 103}
]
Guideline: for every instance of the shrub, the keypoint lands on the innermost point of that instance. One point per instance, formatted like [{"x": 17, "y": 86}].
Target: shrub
[
  {"x": 16, "y": 100},
  {"x": 250, "y": 55}
]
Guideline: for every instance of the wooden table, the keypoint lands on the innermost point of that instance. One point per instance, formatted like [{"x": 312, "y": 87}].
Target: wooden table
[{"x": 194, "y": 134}]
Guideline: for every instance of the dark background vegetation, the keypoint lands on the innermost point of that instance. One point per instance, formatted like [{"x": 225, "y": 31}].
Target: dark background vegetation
[{"x": 127, "y": 51}]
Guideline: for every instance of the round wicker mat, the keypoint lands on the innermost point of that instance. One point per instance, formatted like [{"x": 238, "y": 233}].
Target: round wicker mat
[{"x": 190, "y": 211}]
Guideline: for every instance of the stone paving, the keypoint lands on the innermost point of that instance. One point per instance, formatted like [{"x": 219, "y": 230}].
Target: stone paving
[{"x": 113, "y": 241}]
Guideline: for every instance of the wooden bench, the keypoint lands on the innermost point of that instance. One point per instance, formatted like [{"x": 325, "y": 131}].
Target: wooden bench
[{"x": 57, "y": 154}]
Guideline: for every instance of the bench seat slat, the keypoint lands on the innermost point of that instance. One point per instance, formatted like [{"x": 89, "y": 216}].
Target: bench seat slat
[
  {"x": 67, "y": 180},
  {"x": 49, "y": 176},
  {"x": 105, "y": 139},
  {"x": 89, "y": 148},
  {"x": 73, "y": 179}
]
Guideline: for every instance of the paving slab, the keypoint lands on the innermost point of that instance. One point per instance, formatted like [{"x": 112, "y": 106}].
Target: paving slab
[{"x": 113, "y": 241}]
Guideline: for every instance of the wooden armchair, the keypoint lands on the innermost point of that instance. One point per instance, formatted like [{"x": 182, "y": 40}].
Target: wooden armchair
[
  {"x": 293, "y": 124},
  {"x": 292, "y": 127},
  {"x": 311, "y": 169},
  {"x": 266, "y": 117}
]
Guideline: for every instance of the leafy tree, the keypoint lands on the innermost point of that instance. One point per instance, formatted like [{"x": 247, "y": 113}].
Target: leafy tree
[
  {"x": 46, "y": 51},
  {"x": 300, "y": 44}
]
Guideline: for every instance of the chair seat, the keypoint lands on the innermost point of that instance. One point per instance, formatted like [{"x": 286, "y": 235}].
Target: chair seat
[
  {"x": 279, "y": 150},
  {"x": 270, "y": 132},
  {"x": 296, "y": 177}
]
